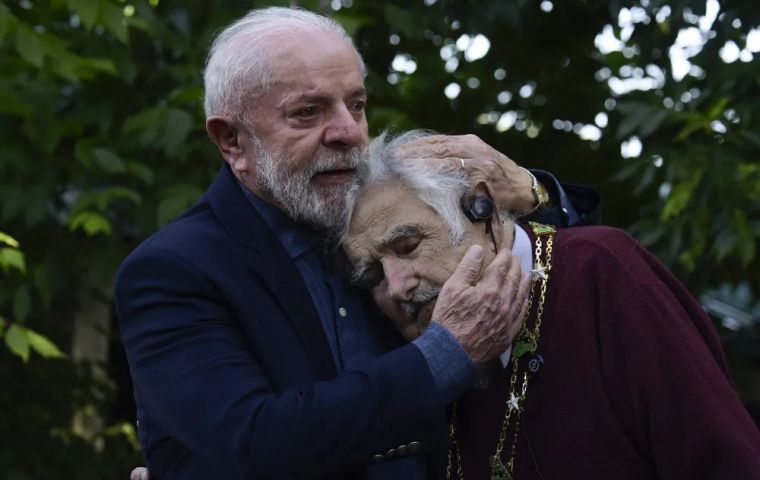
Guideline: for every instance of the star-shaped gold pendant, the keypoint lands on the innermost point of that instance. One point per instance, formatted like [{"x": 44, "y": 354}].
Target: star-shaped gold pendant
[
  {"x": 539, "y": 271},
  {"x": 514, "y": 402}
]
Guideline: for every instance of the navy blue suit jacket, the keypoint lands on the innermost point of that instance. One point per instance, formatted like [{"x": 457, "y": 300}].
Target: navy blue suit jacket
[{"x": 232, "y": 373}]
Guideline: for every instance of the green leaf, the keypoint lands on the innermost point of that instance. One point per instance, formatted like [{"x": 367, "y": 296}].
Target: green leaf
[
  {"x": 18, "y": 342},
  {"x": 179, "y": 123},
  {"x": 718, "y": 108},
  {"x": 12, "y": 258},
  {"x": 8, "y": 240},
  {"x": 105, "y": 65},
  {"x": 92, "y": 223},
  {"x": 87, "y": 10},
  {"x": 29, "y": 46},
  {"x": 6, "y": 20},
  {"x": 187, "y": 94},
  {"x": 141, "y": 172},
  {"x": 43, "y": 283},
  {"x": 3, "y": 322},
  {"x": 43, "y": 346},
  {"x": 746, "y": 242},
  {"x": 108, "y": 160},
  {"x": 177, "y": 200},
  {"x": 723, "y": 243},
  {"x": 111, "y": 194},
  {"x": 646, "y": 179},
  {"x": 680, "y": 196},
  {"x": 11, "y": 103},
  {"x": 632, "y": 167},
  {"x": 83, "y": 152},
  {"x": 147, "y": 119},
  {"x": 149, "y": 123},
  {"x": 653, "y": 122},
  {"x": 13, "y": 203},
  {"x": 634, "y": 115},
  {"x": 694, "y": 123},
  {"x": 21, "y": 304},
  {"x": 113, "y": 18}
]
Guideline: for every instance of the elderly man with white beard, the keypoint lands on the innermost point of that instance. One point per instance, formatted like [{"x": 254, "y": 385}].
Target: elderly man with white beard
[
  {"x": 616, "y": 372},
  {"x": 250, "y": 356}
]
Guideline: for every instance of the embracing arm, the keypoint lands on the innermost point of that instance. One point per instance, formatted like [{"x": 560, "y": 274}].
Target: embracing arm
[
  {"x": 202, "y": 386},
  {"x": 568, "y": 205},
  {"x": 201, "y": 383}
]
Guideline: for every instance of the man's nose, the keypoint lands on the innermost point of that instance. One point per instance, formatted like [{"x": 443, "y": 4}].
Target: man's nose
[
  {"x": 400, "y": 280},
  {"x": 345, "y": 130}
]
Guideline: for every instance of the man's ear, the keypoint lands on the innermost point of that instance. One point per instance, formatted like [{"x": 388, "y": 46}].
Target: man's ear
[
  {"x": 483, "y": 189},
  {"x": 227, "y": 137}
]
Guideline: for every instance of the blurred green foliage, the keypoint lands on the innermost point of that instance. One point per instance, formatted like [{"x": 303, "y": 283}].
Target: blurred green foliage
[{"x": 102, "y": 142}]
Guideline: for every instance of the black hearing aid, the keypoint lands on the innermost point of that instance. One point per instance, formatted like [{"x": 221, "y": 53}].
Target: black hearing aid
[{"x": 478, "y": 209}]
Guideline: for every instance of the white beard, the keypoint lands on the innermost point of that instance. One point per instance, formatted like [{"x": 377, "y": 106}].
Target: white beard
[{"x": 323, "y": 208}]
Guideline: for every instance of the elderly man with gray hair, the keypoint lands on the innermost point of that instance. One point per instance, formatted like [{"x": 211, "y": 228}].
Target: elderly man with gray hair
[
  {"x": 616, "y": 372},
  {"x": 250, "y": 355}
]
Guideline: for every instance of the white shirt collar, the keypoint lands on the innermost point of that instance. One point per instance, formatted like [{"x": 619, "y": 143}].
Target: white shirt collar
[{"x": 522, "y": 249}]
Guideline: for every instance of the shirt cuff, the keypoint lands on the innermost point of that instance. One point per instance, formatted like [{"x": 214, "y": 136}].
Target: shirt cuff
[
  {"x": 452, "y": 369},
  {"x": 563, "y": 213}
]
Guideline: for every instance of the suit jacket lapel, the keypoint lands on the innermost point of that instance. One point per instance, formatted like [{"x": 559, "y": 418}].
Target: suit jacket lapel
[{"x": 274, "y": 266}]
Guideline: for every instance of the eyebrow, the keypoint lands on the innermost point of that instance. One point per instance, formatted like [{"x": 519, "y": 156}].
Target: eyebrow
[
  {"x": 320, "y": 97},
  {"x": 306, "y": 98},
  {"x": 397, "y": 233},
  {"x": 359, "y": 92}
]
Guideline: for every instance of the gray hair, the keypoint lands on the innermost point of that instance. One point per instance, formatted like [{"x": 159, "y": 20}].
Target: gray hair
[
  {"x": 239, "y": 63},
  {"x": 435, "y": 183}
]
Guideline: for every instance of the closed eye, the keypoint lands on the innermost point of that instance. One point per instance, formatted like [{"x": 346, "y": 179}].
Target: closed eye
[{"x": 407, "y": 245}]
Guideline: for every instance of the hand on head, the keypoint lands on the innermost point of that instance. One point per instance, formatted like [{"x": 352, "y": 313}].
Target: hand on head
[
  {"x": 484, "y": 312},
  {"x": 408, "y": 235},
  {"x": 482, "y": 163}
]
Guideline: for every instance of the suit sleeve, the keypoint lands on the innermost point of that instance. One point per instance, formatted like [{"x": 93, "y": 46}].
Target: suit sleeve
[
  {"x": 667, "y": 379},
  {"x": 572, "y": 205},
  {"x": 201, "y": 383}
]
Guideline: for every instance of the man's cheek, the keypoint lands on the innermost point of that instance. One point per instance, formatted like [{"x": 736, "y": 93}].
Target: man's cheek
[{"x": 390, "y": 308}]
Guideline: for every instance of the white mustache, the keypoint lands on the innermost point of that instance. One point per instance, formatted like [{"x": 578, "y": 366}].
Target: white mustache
[
  {"x": 329, "y": 161},
  {"x": 420, "y": 297}
]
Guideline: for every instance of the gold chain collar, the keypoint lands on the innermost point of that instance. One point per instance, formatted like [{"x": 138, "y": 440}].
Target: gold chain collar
[{"x": 527, "y": 342}]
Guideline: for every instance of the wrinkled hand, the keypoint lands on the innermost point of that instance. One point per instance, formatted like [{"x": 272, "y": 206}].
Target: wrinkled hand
[
  {"x": 511, "y": 184},
  {"x": 140, "y": 473},
  {"x": 484, "y": 313}
]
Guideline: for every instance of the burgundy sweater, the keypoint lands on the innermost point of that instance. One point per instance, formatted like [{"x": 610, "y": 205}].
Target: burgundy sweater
[{"x": 634, "y": 384}]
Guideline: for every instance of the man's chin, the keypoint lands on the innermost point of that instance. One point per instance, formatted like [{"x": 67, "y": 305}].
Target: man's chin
[{"x": 419, "y": 324}]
